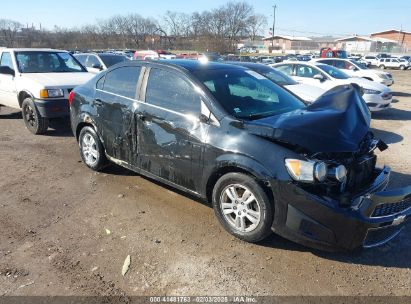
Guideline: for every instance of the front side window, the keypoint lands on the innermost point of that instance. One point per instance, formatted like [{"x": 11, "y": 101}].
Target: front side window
[
  {"x": 6, "y": 60},
  {"x": 122, "y": 81},
  {"x": 172, "y": 92},
  {"x": 246, "y": 94},
  {"x": 47, "y": 62},
  {"x": 306, "y": 71}
]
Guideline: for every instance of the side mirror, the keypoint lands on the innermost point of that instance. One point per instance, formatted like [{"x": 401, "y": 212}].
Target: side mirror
[
  {"x": 204, "y": 118},
  {"x": 5, "y": 70},
  {"x": 97, "y": 66},
  {"x": 319, "y": 77}
]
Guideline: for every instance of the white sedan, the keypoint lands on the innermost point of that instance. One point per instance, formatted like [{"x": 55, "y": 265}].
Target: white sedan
[
  {"x": 376, "y": 95},
  {"x": 355, "y": 69},
  {"x": 306, "y": 92}
]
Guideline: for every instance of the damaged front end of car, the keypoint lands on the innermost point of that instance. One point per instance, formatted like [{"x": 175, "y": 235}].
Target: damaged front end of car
[{"x": 336, "y": 198}]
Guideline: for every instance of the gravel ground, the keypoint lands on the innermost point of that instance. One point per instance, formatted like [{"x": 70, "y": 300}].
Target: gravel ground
[{"x": 54, "y": 214}]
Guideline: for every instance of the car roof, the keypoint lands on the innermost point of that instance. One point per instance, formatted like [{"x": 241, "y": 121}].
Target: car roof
[
  {"x": 250, "y": 65},
  {"x": 99, "y": 54},
  {"x": 188, "y": 65},
  {"x": 33, "y": 50},
  {"x": 310, "y": 63}
]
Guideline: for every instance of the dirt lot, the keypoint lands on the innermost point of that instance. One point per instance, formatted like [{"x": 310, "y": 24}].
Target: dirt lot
[{"x": 54, "y": 213}]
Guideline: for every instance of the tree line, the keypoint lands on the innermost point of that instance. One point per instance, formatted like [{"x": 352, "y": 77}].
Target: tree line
[{"x": 218, "y": 29}]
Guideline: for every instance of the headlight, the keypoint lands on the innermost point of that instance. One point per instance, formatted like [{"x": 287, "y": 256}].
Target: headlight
[
  {"x": 51, "y": 93},
  {"x": 306, "y": 171},
  {"x": 369, "y": 91},
  {"x": 338, "y": 173},
  {"x": 382, "y": 76}
]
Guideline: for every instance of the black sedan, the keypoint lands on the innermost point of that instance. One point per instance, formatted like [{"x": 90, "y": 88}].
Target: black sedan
[{"x": 265, "y": 160}]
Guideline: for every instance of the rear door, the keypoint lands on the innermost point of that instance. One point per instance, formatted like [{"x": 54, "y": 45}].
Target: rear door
[
  {"x": 171, "y": 136},
  {"x": 115, "y": 102},
  {"x": 8, "y": 93}
]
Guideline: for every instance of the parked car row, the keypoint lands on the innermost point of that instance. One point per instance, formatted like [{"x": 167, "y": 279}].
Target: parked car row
[
  {"x": 376, "y": 95},
  {"x": 232, "y": 134}
]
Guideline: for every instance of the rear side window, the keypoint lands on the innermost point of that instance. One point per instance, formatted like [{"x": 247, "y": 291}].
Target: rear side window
[
  {"x": 170, "y": 91},
  {"x": 92, "y": 60},
  {"x": 122, "y": 81},
  {"x": 82, "y": 59},
  {"x": 6, "y": 60},
  {"x": 286, "y": 69}
]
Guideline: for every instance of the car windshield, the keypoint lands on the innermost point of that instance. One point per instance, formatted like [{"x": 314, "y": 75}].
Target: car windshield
[
  {"x": 245, "y": 94},
  {"x": 110, "y": 60},
  {"x": 47, "y": 62},
  {"x": 333, "y": 72},
  {"x": 277, "y": 77}
]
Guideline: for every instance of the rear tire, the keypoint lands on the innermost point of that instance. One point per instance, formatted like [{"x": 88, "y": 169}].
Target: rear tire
[
  {"x": 242, "y": 207},
  {"x": 91, "y": 149},
  {"x": 34, "y": 122}
]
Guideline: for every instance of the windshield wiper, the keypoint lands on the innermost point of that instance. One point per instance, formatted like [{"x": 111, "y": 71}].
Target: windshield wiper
[{"x": 258, "y": 115}]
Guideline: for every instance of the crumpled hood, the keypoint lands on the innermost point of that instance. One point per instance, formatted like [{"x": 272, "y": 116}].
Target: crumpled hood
[
  {"x": 337, "y": 122},
  {"x": 61, "y": 80}
]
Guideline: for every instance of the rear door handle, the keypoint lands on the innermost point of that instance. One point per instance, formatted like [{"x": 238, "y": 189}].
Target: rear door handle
[
  {"x": 98, "y": 102},
  {"x": 141, "y": 117}
]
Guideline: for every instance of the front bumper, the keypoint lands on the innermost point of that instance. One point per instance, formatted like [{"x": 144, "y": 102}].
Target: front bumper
[
  {"x": 387, "y": 82},
  {"x": 374, "y": 215},
  {"x": 53, "y": 108},
  {"x": 378, "y": 102}
]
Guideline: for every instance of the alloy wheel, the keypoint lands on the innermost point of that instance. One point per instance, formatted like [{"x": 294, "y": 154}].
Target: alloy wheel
[
  {"x": 89, "y": 149},
  {"x": 240, "y": 208}
]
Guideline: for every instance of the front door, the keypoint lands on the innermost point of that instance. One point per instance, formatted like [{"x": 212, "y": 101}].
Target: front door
[
  {"x": 305, "y": 74},
  {"x": 8, "y": 94},
  {"x": 171, "y": 135}
]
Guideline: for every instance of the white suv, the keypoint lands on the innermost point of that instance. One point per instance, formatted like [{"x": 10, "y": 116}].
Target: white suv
[
  {"x": 39, "y": 81},
  {"x": 394, "y": 63},
  {"x": 356, "y": 69},
  {"x": 371, "y": 60}
]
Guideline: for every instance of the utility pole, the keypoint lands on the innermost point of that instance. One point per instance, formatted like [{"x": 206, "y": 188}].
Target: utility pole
[{"x": 273, "y": 32}]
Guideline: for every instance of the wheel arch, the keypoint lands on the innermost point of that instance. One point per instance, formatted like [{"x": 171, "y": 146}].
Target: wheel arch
[
  {"x": 85, "y": 120},
  {"x": 23, "y": 95},
  {"x": 257, "y": 172}
]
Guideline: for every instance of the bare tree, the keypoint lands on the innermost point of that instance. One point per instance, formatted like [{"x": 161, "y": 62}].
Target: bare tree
[
  {"x": 256, "y": 24},
  {"x": 8, "y": 32}
]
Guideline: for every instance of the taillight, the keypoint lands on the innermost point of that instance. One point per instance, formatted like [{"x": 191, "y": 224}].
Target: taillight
[{"x": 71, "y": 96}]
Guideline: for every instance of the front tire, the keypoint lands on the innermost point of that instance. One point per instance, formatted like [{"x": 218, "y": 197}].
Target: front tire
[
  {"x": 91, "y": 149},
  {"x": 34, "y": 122},
  {"x": 402, "y": 67},
  {"x": 382, "y": 67},
  {"x": 243, "y": 207}
]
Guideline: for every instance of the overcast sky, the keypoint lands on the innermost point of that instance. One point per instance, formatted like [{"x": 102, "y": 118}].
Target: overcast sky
[{"x": 295, "y": 17}]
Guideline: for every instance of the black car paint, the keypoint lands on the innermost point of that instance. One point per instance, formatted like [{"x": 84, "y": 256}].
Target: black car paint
[{"x": 191, "y": 153}]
